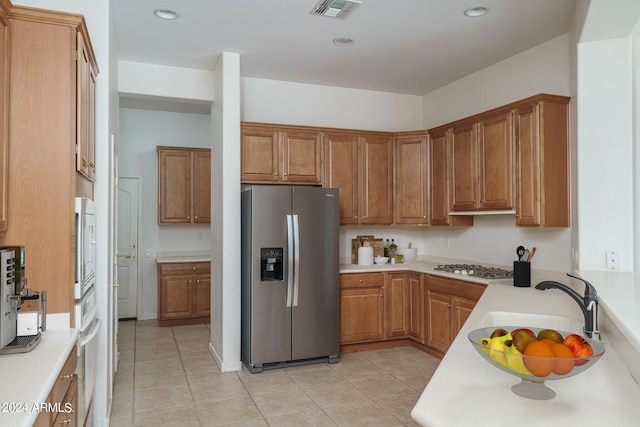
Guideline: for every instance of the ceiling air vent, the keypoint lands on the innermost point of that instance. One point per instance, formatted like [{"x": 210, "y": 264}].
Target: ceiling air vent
[{"x": 335, "y": 8}]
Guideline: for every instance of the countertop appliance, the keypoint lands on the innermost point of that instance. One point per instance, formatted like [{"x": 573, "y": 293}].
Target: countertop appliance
[
  {"x": 475, "y": 270},
  {"x": 290, "y": 280},
  {"x": 14, "y": 336}
]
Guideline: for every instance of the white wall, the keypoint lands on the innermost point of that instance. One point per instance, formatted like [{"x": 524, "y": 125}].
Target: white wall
[
  {"x": 271, "y": 101},
  {"x": 607, "y": 133},
  {"x": 543, "y": 69},
  {"x": 140, "y": 132}
]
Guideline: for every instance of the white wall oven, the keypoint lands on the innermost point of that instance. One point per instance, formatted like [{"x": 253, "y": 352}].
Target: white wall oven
[{"x": 85, "y": 310}]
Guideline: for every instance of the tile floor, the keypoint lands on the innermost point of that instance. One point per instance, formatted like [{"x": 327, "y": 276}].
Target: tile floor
[{"x": 167, "y": 377}]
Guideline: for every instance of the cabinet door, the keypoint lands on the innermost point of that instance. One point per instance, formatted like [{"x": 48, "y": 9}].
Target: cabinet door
[
  {"x": 411, "y": 180},
  {"x": 4, "y": 108},
  {"x": 202, "y": 187},
  {"x": 495, "y": 165},
  {"x": 361, "y": 314},
  {"x": 528, "y": 167},
  {"x": 416, "y": 306},
  {"x": 259, "y": 154},
  {"x": 176, "y": 296},
  {"x": 377, "y": 180},
  {"x": 439, "y": 330},
  {"x": 464, "y": 167},
  {"x": 174, "y": 184},
  {"x": 462, "y": 309},
  {"x": 202, "y": 295},
  {"x": 302, "y": 156},
  {"x": 85, "y": 93},
  {"x": 341, "y": 171},
  {"x": 397, "y": 295}
]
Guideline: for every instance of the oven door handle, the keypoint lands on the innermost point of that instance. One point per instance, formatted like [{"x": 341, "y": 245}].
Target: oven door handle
[{"x": 93, "y": 331}]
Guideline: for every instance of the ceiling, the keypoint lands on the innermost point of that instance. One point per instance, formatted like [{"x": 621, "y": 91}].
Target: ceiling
[{"x": 401, "y": 46}]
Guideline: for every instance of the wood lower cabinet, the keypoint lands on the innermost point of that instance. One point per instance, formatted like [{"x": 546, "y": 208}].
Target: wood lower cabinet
[
  {"x": 362, "y": 309},
  {"x": 184, "y": 185},
  {"x": 280, "y": 154},
  {"x": 398, "y": 297},
  {"x": 411, "y": 185},
  {"x": 63, "y": 398},
  {"x": 542, "y": 158},
  {"x": 4, "y": 107},
  {"x": 184, "y": 293},
  {"x": 416, "y": 306},
  {"x": 449, "y": 303},
  {"x": 360, "y": 164}
]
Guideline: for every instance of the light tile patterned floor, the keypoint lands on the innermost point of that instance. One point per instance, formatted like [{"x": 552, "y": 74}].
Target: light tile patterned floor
[{"x": 167, "y": 377}]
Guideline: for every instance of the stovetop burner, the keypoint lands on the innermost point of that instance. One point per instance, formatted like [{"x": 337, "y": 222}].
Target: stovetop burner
[{"x": 475, "y": 270}]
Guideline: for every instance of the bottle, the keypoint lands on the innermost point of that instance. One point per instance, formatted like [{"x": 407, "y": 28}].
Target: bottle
[
  {"x": 386, "y": 247},
  {"x": 392, "y": 248}
]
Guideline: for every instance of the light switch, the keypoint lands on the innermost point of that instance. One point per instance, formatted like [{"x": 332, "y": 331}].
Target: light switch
[{"x": 147, "y": 253}]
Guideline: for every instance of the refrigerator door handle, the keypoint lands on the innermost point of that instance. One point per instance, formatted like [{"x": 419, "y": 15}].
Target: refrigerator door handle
[
  {"x": 290, "y": 254},
  {"x": 296, "y": 262}
]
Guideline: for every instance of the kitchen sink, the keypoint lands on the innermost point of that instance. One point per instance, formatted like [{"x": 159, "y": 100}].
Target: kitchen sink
[{"x": 506, "y": 318}]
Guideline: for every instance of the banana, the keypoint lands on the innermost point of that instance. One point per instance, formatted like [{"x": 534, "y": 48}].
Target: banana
[
  {"x": 515, "y": 362},
  {"x": 497, "y": 349}
]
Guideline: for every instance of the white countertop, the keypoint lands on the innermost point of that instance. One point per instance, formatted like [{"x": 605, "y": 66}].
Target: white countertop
[
  {"x": 605, "y": 394},
  {"x": 27, "y": 378},
  {"x": 183, "y": 256}
]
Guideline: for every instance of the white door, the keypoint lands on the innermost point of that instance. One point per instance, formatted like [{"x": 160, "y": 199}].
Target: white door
[{"x": 127, "y": 247}]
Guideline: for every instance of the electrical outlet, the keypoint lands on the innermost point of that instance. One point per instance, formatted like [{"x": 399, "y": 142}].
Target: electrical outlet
[
  {"x": 613, "y": 260},
  {"x": 200, "y": 234}
]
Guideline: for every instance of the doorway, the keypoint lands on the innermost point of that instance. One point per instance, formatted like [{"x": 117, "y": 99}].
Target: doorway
[{"x": 127, "y": 250}]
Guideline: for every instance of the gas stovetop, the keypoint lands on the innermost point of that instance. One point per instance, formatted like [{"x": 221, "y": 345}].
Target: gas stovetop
[{"x": 475, "y": 271}]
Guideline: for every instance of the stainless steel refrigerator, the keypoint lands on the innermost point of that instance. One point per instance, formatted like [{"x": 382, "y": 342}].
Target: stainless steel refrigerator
[{"x": 290, "y": 280}]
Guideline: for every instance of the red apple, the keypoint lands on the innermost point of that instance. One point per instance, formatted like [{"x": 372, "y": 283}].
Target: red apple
[
  {"x": 579, "y": 346},
  {"x": 529, "y": 331}
]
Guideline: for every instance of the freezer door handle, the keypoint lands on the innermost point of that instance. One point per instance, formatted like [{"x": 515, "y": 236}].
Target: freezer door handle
[
  {"x": 296, "y": 261},
  {"x": 290, "y": 255}
]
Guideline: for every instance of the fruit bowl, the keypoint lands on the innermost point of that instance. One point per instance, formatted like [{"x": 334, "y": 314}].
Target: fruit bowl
[{"x": 541, "y": 362}]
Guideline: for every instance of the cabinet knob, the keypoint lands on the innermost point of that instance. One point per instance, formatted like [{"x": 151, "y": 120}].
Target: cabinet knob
[
  {"x": 448, "y": 305},
  {"x": 356, "y": 216},
  {"x": 361, "y": 281},
  {"x": 196, "y": 217},
  {"x": 285, "y": 174},
  {"x": 194, "y": 269},
  {"x": 481, "y": 200},
  {"x": 68, "y": 376},
  {"x": 275, "y": 174}
]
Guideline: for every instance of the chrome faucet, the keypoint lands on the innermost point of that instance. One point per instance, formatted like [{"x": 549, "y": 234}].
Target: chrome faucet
[{"x": 588, "y": 303}]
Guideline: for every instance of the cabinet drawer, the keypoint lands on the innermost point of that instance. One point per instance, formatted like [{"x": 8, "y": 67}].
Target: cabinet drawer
[
  {"x": 459, "y": 288},
  {"x": 363, "y": 280},
  {"x": 65, "y": 378},
  {"x": 185, "y": 268}
]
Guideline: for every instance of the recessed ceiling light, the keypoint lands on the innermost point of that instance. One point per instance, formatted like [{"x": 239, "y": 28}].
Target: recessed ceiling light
[
  {"x": 343, "y": 41},
  {"x": 166, "y": 14},
  {"x": 476, "y": 11}
]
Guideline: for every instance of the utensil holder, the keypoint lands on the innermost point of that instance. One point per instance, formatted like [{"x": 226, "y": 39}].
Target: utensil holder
[
  {"x": 522, "y": 274},
  {"x": 365, "y": 255}
]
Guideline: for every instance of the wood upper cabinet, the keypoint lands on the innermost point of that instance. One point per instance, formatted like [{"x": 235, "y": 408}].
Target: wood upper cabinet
[
  {"x": 43, "y": 133},
  {"x": 377, "y": 179},
  {"x": 184, "y": 185},
  {"x": 495, "y": 162},
  {"x": 482, "y": 170},
  {"x": 361, "y": 166},
  {"x": 276, "y": 153},
  {"x": 4, "y": 116},
  {"x": 440, "y": 180},
  {"x": 362, "y": 309},
  {"x": 542, "y": 159},
  {"x": 184, "y": 293},
  {"x": 342, "y": 162},
  {"x": 86, "y": 109},
  {"x": 449, "y": 303},
  {"x": 411, "y": 182}
]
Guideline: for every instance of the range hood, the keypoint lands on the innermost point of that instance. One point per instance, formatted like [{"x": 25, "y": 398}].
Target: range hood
[{"x": 473, "y": 213}]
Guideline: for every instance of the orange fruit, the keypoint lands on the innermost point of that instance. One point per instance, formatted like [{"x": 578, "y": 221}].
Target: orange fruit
[
  {"x": 561, "y": 352},
  {"x": 548, "y": 341},
  {"x": 539, "y": 358}
]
